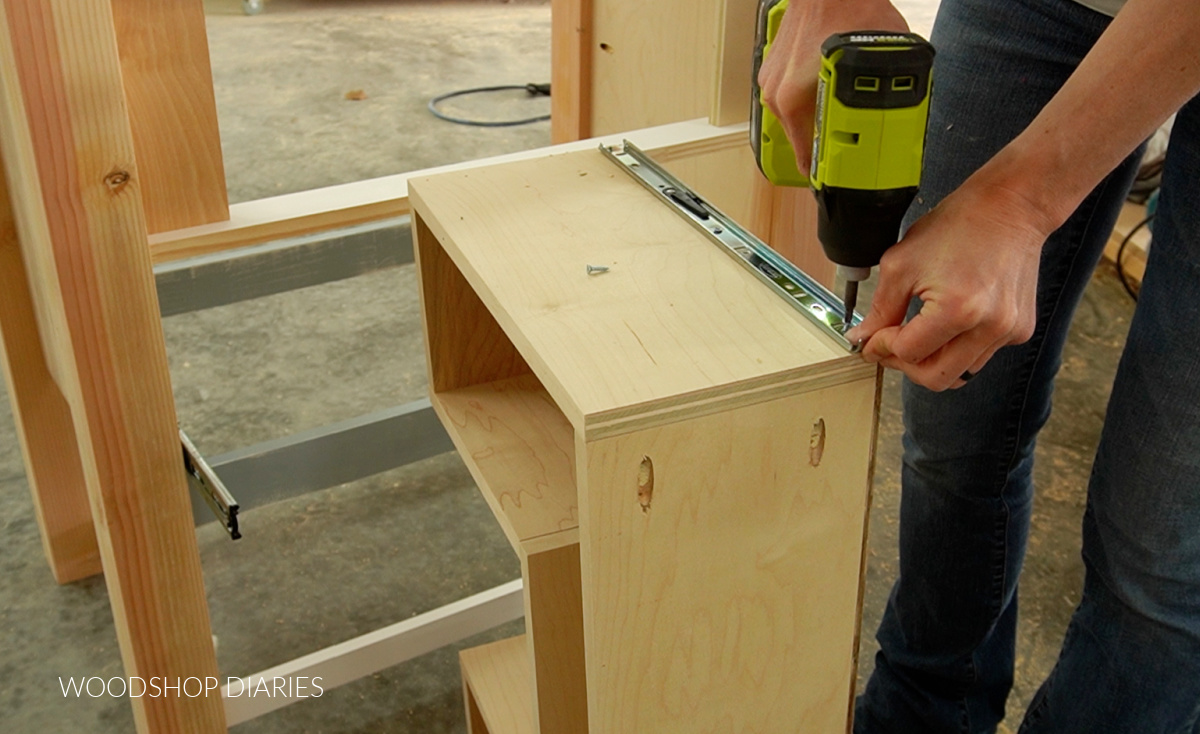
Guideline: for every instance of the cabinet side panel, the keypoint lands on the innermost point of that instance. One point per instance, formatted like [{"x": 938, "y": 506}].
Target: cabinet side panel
[
  {"x": 794, "y": 232},
  {"x": 721, "y": 560},
  {"x": 464, "y": 344},
  {"x": 554, "y": 628}
]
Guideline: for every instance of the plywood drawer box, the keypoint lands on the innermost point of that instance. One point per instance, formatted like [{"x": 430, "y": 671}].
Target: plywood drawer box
[{"x": 680, "y": 460}]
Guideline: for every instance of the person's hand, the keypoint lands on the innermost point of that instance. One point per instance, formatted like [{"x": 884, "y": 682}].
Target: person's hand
[
  {"x": 788, "y": 76},
  {"x": 973, "y": 262}
]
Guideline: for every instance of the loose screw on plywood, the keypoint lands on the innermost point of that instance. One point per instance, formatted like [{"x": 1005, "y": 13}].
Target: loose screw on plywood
[{"x": 596, "y": 269}]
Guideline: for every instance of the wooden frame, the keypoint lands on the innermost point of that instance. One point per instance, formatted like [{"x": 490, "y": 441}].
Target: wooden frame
[
  {"x": 83, "y": 83},
  {"x": 75, "y": 196}
]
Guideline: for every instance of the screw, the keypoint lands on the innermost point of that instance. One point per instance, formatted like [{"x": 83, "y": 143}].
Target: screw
[{"x": 596, "y": 269}]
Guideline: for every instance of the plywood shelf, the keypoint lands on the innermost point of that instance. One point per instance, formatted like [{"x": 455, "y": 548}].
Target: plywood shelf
[
  {"x": 496, "y": 684},
  {"x": 520, "y": 450}
]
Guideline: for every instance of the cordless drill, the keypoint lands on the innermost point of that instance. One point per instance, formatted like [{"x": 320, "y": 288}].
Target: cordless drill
[{"x": 868, "y": 140}]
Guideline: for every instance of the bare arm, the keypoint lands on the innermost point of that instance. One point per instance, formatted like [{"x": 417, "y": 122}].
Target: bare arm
[{"x": 973, "y": 260}]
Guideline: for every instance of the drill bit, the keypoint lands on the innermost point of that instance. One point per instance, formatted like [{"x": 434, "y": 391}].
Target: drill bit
[{"x": 850, "y": 299}]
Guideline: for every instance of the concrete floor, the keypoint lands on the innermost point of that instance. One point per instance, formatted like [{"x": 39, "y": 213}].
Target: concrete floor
[{"x": 334, "y": 564}]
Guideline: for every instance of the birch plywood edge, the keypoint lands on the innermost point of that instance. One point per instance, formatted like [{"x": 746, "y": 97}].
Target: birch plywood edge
[{"x": 674, "y": 323}]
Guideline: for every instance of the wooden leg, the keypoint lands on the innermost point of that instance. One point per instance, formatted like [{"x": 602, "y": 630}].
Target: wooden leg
[
  {"x": 173, "y": 111},
  {"x": 571, "y": 70},
  {"x": 43, "y": 420},
  {"x": 75, "y": 193}
]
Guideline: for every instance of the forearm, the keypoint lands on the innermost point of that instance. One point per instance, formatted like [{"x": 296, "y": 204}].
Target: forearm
[{"x": 1143, "y": 68}]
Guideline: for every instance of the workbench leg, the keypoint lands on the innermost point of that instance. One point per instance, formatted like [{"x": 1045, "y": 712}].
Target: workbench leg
[
  {"x": 43, "y": 421},
  {"x": 173, "y": 111},
  {"x": 75, "y": 193},
  {"x": 570, "y": 70}
]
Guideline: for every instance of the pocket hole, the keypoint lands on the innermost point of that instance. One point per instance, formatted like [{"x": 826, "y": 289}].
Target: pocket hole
[
  {"x": 816, "y": 442},
  {"x": 645, "y": 483}
]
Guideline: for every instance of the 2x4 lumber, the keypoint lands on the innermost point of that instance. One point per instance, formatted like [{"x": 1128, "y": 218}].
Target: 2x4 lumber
[
  {"x": 43, "y": 420},
  {"x": 554, "y": 630},
  {"x": 173, "y": 111},
  {"x": 721, "y": 567},
  {"x": 497, "y": 678},
  {"x": 571, "y": 70},
  {"x": 69, "y": 156},
  {"x": 327, "y": 208},
  {"x": 652, "y": 62}
]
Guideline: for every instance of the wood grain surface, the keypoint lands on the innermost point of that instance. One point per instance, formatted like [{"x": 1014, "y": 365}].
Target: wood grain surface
[
  {"x": 68, "y": 150},
  {"x": 172, "y": 111},
  {"x": 571, "y": 51},
  {"x": 496, "y": 676},
  {"x": 43, "y": 420},
  {"x": 521, "y": 451},
  {"x": 652, "y": 62},
  {"x": 727, "y": 597},
  {"x": 554, "y": 631},
  {"x": 674, "y": 318}
]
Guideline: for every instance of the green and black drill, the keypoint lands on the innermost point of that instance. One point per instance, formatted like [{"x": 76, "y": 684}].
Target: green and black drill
[{"x": 868, "y": 140}]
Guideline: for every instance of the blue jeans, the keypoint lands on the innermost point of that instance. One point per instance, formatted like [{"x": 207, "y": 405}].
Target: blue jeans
[{"x": 1131, "y": 658}]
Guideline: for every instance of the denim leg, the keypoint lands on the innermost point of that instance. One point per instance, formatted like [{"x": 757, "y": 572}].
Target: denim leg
[
  {"x": 1131, "y": 660},
  {"x": 947, "y": 637}
]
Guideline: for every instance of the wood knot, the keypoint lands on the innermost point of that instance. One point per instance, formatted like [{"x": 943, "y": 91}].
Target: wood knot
[{"x": 116, "y": 180}]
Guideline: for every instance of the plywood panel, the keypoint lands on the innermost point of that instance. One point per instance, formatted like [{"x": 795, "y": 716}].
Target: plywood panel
[
  {"x": 675, "y": 319},
  {"x": 497, "y": 676},
  {"x": 464, "y": 345},
  {"x": 724, "y": 594},
  {"x": 173, "y": 111},
  {"x": 794, "y": 232},
  {"x": 554, "y": 627},
  {"x": 521, "y": 451}
]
